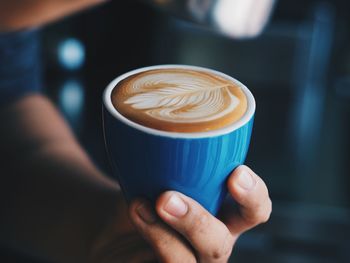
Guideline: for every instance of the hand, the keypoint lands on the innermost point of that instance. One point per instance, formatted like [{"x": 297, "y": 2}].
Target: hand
[{"x": 181, "y": 230}]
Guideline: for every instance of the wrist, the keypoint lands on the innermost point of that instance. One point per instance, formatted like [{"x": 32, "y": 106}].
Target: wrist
[{"x": 113, "y": 224}]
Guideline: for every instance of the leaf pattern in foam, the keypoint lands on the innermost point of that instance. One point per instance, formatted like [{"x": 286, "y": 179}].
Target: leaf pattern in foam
[{"x": 181, "y": 98}]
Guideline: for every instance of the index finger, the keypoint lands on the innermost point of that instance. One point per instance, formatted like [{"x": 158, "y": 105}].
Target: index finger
[{"x": 209, "y": 237}]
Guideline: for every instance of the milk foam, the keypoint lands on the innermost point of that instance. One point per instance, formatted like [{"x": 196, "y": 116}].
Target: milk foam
[
  {"x": 179, "y": 100},
  {"x": 181, "y": 97}
]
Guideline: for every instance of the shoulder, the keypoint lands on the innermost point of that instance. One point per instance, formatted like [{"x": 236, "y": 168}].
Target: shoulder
[
  {"x": 19, "y": 64},
  {"x": 17, "y": 36},
  {"x": 18, "y": 46}
]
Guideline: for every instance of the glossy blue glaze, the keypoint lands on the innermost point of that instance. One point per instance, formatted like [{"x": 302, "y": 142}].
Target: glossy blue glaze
[{"x": 147, "y": 165}]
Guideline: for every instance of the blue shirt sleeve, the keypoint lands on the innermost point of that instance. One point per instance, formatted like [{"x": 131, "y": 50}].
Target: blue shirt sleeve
[{"x": 20, "y": 65}]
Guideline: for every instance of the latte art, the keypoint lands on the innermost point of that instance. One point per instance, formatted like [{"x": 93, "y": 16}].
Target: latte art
[
  {"x": 179, "y": 100},
  {"x": 182, "y": 99}
]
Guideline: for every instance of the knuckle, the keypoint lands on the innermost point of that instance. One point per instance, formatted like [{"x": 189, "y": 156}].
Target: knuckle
[
  {"x": 162, "y": 242},
  {"x": 263, "y": 218},
  {"x": 171, "y": 252},
  {"x": 261, "y": 214},
  {"x": 267, "y": 212},
  {"x": 200, "y": 224},
  {"x": 221, "y": 252}
]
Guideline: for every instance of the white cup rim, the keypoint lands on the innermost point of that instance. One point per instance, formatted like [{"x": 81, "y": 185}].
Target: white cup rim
[{"x": 107, "y": 100}]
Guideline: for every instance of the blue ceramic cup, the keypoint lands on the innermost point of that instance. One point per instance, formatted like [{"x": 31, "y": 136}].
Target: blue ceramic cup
[{"x": 148, "y": 162}]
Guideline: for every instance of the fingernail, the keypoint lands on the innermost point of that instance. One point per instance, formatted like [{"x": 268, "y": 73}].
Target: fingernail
[
  {"x": 146, "y": 213},
  {"x": 245, "y": 180},
  {"x": 176, "y": 206}
]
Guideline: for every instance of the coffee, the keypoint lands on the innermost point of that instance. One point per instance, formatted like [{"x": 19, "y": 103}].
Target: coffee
[{"x": 179, "y": 100}]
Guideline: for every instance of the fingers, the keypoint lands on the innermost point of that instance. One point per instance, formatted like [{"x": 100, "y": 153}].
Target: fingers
[
  {"x": 251, "y": 194},
  {"x": 185, "y": 220},
  {"x": 209, "y": 237},
  {"x": 167, "y": 244}
]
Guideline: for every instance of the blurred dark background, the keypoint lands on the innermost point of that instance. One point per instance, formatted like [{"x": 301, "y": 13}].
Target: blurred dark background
[{"x": 299, "y": 71}]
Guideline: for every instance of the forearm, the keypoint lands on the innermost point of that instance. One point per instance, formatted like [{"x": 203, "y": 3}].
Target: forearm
[
  {"x": 53, "y": 200},
  {"x": 19, "y": 14}
]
